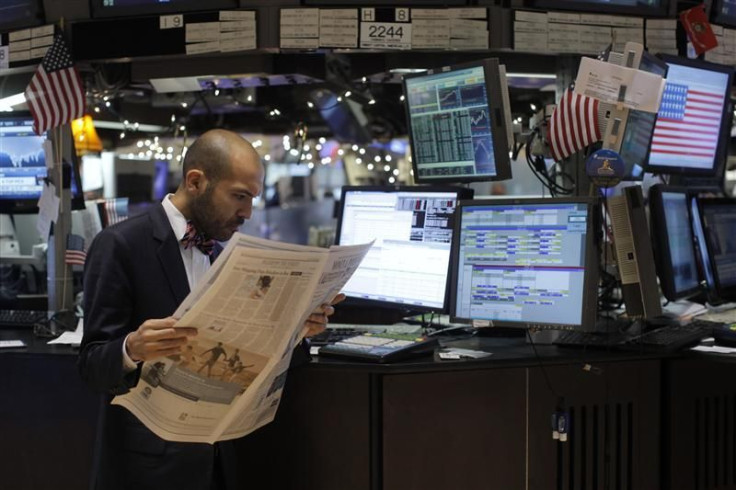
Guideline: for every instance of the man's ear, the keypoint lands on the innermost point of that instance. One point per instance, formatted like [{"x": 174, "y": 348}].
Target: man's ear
[{"x": 195, "y": 181}]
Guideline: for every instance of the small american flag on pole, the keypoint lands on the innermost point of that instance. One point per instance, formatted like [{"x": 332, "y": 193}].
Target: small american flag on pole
[
  {"x": 55, "y": 95},
  {"x": 75, "y": 252},
  {"x": 573, "y": 125}
]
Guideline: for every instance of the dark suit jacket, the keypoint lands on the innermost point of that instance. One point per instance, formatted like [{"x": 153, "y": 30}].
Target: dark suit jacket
[{"x": 134, "y": 272}]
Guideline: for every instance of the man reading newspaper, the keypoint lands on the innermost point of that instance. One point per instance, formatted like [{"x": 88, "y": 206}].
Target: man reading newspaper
[{"x": 179, "y": 401}]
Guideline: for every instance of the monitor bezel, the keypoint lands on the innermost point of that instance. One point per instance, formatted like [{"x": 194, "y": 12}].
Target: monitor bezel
[
  {"x": 724, "y": 132},
  {"x": 100, "y": 10},
  {"x": 463, "y": 193},
  {"x": 592, "y": 263},
  {"x": 722, "y": 293},
  {"x": 30, "y": 206},
  {"x": 492, "y": 73},
  {"x": 588, "y": 7},
  {"x": 661, "y": 244}
]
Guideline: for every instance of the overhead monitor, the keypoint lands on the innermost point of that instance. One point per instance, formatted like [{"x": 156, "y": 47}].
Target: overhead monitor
[
  {"x": 718, "y": 218},
  {"x": 407, "y": 267},
  {"x": 723, "y": 12},
  {"x": 673, "y": 241},
  {"x": 111, "y": 8},
  {"x": 457, "y": 125},
  {"x": 526, "y": 263},
  {"x": 694, "y": 120},
  {"x": 17, "y": 14},
  {"x": 633, "y": 7},
  {"x": 23, "y": 166}
]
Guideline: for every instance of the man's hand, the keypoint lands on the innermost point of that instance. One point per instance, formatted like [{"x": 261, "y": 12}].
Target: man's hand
[
  {"x": 317, "y": 321},
  {"x": 157, "y": 338}
]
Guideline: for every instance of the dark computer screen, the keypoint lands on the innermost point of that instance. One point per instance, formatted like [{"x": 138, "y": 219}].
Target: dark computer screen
[
  {"x": 723, "y": 12},
  {"x": 694, "y": 120},
  {"x": 639, "y": 128},
  {"x": 408, "y": 265},
  {"x": 718, "y": 217},
  {"x": 106, "y": 8},
  {"x": 23, "y": 166},
  {"x": 456, "y": 121},
  {"x": 635, "y": 7},
  {"x": 702, "y": 250},
  {"x": 526, "y": 263},
  {"x": 672, "y": 237},
  {"x": 16, "y": 14}
]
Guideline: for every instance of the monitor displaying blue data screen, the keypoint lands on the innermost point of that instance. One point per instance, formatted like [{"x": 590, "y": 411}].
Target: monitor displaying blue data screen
[
  {"x": 719, "y": 225},
  {"x": 456, "y": 122},
  {"x": 407, "y": 267},
  {"x": 22, "y": 160},
  {"x": 634, "y": 7},
  {"x": 693, "y": 122},
  {"x": 673, "y": 240},
  {"x": 526, "y": 263}
]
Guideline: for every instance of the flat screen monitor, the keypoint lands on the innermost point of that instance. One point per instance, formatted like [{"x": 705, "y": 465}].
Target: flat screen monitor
[
  {"x": 673, "y": 241},
  {"x": 718, "y": 218},
  {"x": 704, "y": 263},
  {"x": 457, "y": 125},
  {"x": 23, "y": 166},
  {"x": 723, "y": 12},
  {"x": 633, "y": 7},
  {"x": 639, "y": 129},
  {"x": 407, "y": 267},
  {"x": 694, "y": 119},
  {"x": 526, "y": 263},
  {"x": 112, "y": 8},
  {"x": 16, "y": 14}
]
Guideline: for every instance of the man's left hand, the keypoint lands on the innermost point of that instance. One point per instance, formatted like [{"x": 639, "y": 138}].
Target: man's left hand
[{"x": 317, "y": 321}]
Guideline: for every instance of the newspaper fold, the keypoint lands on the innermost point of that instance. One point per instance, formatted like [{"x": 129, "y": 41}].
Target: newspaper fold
[{"x": 250, "y": 309}]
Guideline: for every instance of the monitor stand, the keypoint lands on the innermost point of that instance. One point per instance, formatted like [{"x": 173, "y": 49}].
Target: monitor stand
[{"x": 367, "y": 315}]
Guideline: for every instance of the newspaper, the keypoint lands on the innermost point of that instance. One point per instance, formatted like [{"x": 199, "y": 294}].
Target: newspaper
[{"x": 249, "y": 310}]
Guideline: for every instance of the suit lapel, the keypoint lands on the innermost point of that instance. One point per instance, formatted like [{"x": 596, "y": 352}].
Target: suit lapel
[{"x": 169, "y": 254}]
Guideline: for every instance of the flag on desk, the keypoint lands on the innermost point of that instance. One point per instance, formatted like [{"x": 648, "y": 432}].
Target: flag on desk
[
  {"x": 75, "y": 252},
  {"x": 573, "y": 125},
  {"x": 55, "y": 95}
]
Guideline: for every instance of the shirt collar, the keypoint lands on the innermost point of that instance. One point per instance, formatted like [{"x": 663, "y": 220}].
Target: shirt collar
[{"x": 176, "y": 219}]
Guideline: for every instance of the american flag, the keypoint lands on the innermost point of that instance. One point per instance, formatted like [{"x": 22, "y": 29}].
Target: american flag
[
  {"x": 688, "y": 124},
  {"x": 75, "y": 252},
  {"x": 56, "y": 93},
  {"x": 574, "y": 125}
]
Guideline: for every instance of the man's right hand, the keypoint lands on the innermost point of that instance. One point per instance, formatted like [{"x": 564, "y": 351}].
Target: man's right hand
[{"x": 157, "y": 338}]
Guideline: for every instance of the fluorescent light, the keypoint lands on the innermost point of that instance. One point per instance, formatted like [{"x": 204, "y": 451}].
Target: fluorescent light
[
  {"x": 146, "y": 128},
  {"x": 7, "y": 103},
  {"x": 550, "y": 76}
]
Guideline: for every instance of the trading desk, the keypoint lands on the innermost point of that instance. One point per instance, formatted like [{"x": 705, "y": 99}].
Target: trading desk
[{"x": 423, "y": 424}]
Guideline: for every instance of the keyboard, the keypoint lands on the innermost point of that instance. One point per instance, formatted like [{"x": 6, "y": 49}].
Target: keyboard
[
  {"x": 21, "y": 318},
  {"x": 332, "y": 335},
  {"x": 380, "y": 347},
  {"x": 589, "y": 339},
  {"x": 673, "y": 337}
]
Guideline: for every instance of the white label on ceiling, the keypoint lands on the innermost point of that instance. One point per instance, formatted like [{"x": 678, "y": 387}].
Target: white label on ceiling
[
  {"x": 171, "y": 21},
  {"x": 385, "y": 35}
]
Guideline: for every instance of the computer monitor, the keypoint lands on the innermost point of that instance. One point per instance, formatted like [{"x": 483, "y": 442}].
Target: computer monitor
[
  {"x": 633, "y": 7},
  {"x": 694, "y": 119},
  {"x": 530, "y": 263},
  {"x": 718, "y": 218},
  {"x": 407, "y": 267},
  {"x": 457, "y": 125},
  {"x": 23, "y": 166},
  {"x": 113, "y": 8},
  {"x": 672, "y": 239},
  {"x": 701, "y": 251},
  {"x": 16, "y": 14},
  {"x": 723, "y": 12}
]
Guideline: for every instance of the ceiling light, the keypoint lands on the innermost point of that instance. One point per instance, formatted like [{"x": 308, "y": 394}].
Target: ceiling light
[
  {"x": 348, "y": 93},
  {"x": 391, "y": 180},
  {"x": 311, "y": 165},
  {"x": 322, "y": 140},
  {"x": 387, "y": 168},
  {"x": 370, "y": 166},
  {"x": 267, "y": 157},
  {"x": 148, "y": 128},
  {"x": 372, "y": 101},
  {"x": 358, "y": 160},
  {"x": 550, "y": 76},
  {"x": 401, "y": 99},
  {"x": 376, "y": 159},
  {"x": 310, "y": 104}
]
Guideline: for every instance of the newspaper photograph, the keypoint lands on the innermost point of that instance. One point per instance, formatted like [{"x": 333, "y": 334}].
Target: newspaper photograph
[{"x": 249, "y": 311}]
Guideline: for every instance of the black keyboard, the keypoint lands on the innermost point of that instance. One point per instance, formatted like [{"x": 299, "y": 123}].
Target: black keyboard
[
  {"x": 332, "y": 335},
  {"x": 589, "y": 339},
  {"x": 21, "y": 318},
  {"x": 674, "y": 337}
]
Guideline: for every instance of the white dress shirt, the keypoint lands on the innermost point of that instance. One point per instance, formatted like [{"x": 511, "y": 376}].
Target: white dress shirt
[{"x": 196, "y": 263}]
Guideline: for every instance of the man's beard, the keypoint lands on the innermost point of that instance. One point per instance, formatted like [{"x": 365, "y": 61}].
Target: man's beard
[{"x": 204, "y": 216}]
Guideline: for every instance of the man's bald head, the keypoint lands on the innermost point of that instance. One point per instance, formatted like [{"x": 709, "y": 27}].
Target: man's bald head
[{"x": 215, "y": 152}]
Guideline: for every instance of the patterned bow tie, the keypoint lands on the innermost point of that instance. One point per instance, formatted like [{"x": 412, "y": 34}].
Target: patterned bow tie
[{"x": 194, "y": 239}]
